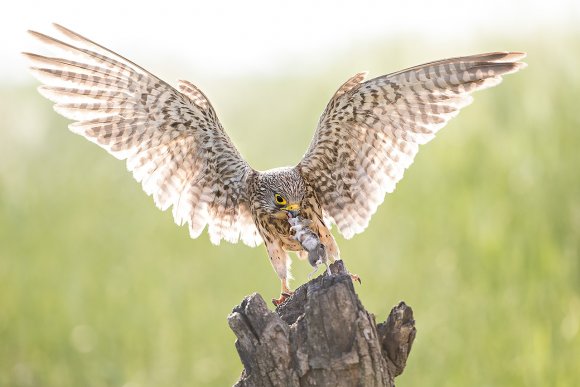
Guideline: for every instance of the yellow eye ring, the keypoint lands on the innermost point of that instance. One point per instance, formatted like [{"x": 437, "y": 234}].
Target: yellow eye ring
[{"x": 279, "y": 200}]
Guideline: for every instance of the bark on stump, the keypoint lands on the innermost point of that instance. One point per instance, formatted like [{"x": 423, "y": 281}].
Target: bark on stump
[{"x": 321, "y": 336}]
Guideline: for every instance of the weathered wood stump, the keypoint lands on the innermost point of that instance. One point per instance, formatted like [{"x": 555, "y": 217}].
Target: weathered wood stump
[{"x": 321, "y": 336}]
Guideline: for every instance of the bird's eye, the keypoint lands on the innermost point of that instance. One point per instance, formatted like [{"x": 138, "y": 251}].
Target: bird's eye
[{"x": 279, "y": 199}]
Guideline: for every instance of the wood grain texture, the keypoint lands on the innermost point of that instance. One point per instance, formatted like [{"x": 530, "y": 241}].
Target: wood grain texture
[{"x": 321, "y": 336}]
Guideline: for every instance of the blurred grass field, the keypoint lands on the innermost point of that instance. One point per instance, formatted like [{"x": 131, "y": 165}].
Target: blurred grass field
[{"x": 481, "y": 238}]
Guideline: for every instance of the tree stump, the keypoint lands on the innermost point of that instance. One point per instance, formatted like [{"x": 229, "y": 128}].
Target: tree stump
[{"x": 321, "y": 336}]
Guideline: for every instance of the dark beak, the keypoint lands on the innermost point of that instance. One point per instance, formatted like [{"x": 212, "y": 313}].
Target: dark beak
[{"x": 293, "y": 213}]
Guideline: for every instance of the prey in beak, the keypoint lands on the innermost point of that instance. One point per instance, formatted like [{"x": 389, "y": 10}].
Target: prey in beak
[{"x": 293, "y": 210}]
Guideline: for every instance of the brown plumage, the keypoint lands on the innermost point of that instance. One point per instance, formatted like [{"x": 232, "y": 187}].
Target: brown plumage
[{"x": 176, "y": 148}]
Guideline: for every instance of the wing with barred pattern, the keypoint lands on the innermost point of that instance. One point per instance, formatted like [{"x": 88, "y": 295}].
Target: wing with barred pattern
[
  {"x": 172, "y": 141},
  {"x": 370, "y": 131}
]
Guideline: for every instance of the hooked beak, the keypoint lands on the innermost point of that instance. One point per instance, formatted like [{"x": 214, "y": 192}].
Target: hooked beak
[{"x": 293, "y": 210}]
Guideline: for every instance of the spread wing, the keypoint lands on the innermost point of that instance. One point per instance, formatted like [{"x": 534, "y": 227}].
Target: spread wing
[
  {"x": 370, "y": 131},
  {"x": 172, "y": 141}
]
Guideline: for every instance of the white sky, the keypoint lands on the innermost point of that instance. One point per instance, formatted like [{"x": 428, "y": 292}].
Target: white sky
[{"x": 255, "y": 36}]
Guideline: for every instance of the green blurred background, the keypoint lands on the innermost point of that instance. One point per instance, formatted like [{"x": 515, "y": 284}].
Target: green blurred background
[{"x": 481, "y": 237}]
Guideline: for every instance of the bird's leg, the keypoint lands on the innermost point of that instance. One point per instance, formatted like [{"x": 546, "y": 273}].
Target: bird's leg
[
  {"x": 328, "y": 241},
  {"x": 285, "y": 289},
  {"x": 281, "y": 263},
  {"x": 285, "y": 293},
  {"x": 332, "y": 249}
]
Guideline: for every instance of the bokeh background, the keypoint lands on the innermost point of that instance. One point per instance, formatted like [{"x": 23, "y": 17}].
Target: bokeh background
[{"x": 481, "y": 237}]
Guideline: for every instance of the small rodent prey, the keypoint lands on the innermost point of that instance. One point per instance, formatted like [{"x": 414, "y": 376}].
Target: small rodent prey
[{"x": 310, "y": 242}]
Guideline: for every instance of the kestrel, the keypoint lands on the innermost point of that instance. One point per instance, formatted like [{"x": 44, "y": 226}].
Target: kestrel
[{"x": 177, "y": 149}]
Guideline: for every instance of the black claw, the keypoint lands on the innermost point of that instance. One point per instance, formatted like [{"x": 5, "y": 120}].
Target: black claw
[{"x": 280, "y": 301}]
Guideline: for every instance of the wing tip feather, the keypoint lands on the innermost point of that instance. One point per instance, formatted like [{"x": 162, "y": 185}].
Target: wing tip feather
[
  {"x": 509, "y": 60},
  {"x": 69, "y": 33},
  {"x": 513, "y": 56}
]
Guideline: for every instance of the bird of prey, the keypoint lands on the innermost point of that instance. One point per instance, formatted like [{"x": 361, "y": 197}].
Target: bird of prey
[{"x": 175, "y": 146}]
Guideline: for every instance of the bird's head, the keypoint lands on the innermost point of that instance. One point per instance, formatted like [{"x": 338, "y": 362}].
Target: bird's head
[{"x": 281, "y": 192}]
